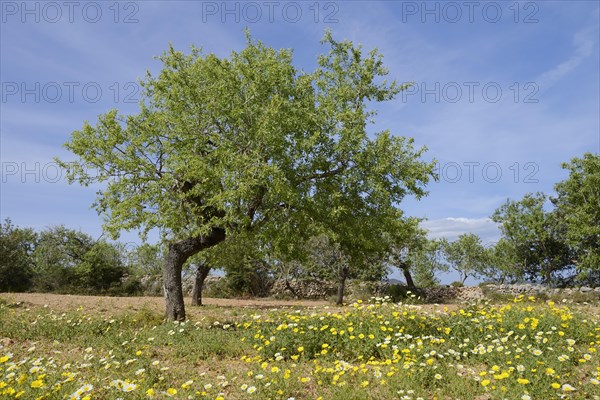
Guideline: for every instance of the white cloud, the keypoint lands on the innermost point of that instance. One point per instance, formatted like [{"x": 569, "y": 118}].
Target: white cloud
[
  {"x": 584, "y": 41},
  {"x": 452, "y": 227}
]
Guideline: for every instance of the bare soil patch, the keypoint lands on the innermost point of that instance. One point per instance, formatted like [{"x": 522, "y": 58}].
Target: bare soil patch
[
  {"x": 105, "y": 305},
  {"x": 115, "y": 305}
]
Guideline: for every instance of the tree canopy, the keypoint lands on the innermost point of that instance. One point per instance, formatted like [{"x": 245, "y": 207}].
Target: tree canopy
[
  {"x": 250, "y": 142},
  {"x": 578, "y": 206},
  {"x": 535, "y": 235}
]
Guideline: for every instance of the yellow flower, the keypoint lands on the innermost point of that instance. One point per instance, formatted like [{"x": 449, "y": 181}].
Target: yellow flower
[
  {"x": 37, "y": 383},
  {"x": 171, "y": 391},
  {"x": 523, "y": 381},
  {"x": 485, "y": 382},
  {"x": 555, "y": 385}
]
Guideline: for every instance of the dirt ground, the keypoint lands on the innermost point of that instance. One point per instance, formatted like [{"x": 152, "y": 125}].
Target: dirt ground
[
  {"x": 113, "y": 305},
  {"x": 117, "y": 305}
]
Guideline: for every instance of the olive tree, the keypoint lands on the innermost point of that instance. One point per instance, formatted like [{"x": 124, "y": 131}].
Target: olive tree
[
  {"x": 578, "y": 207},
  {"x": 466, "y": 255},
  {"x": 249, "y": 142}
]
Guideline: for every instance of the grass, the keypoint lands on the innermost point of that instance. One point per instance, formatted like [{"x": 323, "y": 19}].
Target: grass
[{"x": 523, "y": 349}]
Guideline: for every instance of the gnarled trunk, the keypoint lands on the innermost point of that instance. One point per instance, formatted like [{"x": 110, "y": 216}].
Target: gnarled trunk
[
  {"x": 201, "y": 274},
  {"x": 177, "y": 255},
  {"x": 342, "y": 275},
  {"x": 407, "y": 276}
]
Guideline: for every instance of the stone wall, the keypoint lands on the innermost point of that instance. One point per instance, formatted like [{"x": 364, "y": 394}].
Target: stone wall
[
  {"x": 315, "y": 289},
  {"x": 536, "y": 290}
]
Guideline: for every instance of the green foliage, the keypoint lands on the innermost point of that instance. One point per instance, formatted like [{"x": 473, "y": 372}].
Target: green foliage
[
  {"x": 251, "y": 143},
  {"x": 326, "y": 260},
  {"x": 466, "y": 255},
  {"x": 415, "y": 255},
  {"x": 578, "y": 206},
  {"x": 534, "y": 238},
  {"x": 427, "y": 262},
  {"x": 146, "y": 259},
  {"x": 71, "y": 261},
  {"x": 228, "y": 142},
  {"x": 250, "y": 278},
  {"x": 16, "y": 246},
  {"x": 101, "y": 267},
  {"x": 503, "y": 263},
  {"x": 402, "y": 293},
  {"x": 246, "y": 263}
]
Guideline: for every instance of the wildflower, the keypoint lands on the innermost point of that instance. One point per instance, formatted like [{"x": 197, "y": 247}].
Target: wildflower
[
  {"x": 568, "y": 388},
  {"x": 37, "y": 384},
  {"x": 129, "y": 387}
]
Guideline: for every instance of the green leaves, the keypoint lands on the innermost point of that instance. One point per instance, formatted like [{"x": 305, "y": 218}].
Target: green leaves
[
  {"x": 466, "y": 255},
  {"x": 535, "y": 236},
  {"x": 249, "y": 142},
  {"x": 578, "y": 206},
  {"x": 545, "y": 242}
]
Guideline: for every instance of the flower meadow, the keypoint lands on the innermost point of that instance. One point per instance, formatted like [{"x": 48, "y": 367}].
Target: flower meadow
[{"x": 525, "y": 349}]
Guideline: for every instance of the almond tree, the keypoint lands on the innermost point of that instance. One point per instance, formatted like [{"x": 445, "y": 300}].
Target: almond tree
[{"x": 250, "y": 142}]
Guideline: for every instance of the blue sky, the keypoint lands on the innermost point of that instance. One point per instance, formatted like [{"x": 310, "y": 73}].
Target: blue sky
[{"x": 504, "y": 91}]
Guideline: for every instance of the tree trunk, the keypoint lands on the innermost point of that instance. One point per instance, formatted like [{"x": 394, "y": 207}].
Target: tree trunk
[
  {"x": 177, "y": 255},
  {"x": 464, "y": 279},
  {"x": 201, "y": 274},
  {"x": 343, "y": 274},
  {"x": 407, "y": 276},
  {"x": 291, "y": 289}
]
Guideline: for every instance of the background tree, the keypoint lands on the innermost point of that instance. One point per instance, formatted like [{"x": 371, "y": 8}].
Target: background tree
[
  {"x": 536, "y": 237},
  {"x": 466, "y": 255},
  {"x": 250, "y": 143},
  {"x": 427, "y": 262},
  {"x": 416, "y": 256},
  {"x": 578, "y": 209},
  {"x": 146, "y": 260},
  {"x": 71, "y": 261},
  {"x": 59, "y": 251},
  {"x": 327, "y": 261},
  {"x": 101, "y": 268},
  {"x": 16, "y": 247},
  {"x": 504, "y": 265},
  {"x": 243, "y": 259}
]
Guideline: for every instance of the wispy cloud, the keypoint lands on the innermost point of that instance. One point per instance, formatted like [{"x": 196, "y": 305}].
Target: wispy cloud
[
  {"x": 584, "y": 42},
  {"x": 452, "y": 227}
]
